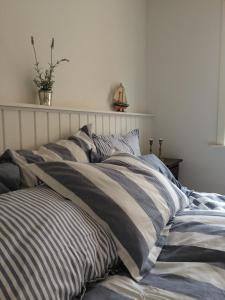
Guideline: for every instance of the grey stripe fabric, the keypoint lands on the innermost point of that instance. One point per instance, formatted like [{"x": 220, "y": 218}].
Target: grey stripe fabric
[
  {"x": 107, "y": 144},
  {"x": 9, "y": 177},
  {"x": 193, "y": 261},
  {"x": 157, "y": 164},
  {"x": 139, "y": 166},
  {"x": 155, "y": 288},
  {"x": 31, "y": 156},
  {"x": 206, "y": 201},
  {"x": 49, "y": 247},
  {"x": 103, "y": 293},
  {"x": 191, "y": 265},
  {"x": 77, "y": 148},
  {"x": 135, "y": 207},
  {"x": 62, "y": 151}
]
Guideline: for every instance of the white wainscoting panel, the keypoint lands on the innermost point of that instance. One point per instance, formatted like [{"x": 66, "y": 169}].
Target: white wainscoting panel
[
  {"x": 30, "y": 126},
  {"x": 41, "y": 128},
  {"x": 12, "y": 134},
  {"x": 64, "y": 121},
  {"x": 27, "y": 129},
  {"x": 54, "y": 126}
]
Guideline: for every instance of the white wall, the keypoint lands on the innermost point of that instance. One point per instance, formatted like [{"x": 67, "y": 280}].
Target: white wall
[
  {"x": 104, "y": 39},
  {"x": 183, "y": 53},
  {"x": 106, "y": 43}
]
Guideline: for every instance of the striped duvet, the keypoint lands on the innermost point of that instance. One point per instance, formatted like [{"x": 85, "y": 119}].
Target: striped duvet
[
  {"x": 131, "y": 200},
  {"x": 191, "y": 265},
  {"x": 49, "y": 248}
]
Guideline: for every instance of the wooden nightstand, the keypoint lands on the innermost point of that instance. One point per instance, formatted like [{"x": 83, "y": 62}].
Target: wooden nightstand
[{"x": 173, "y": 165}]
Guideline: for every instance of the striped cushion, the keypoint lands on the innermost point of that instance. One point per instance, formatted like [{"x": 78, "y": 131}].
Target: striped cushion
[
  {"x": 49, "y": 247},
  {"x": 77, "y": 148},
  {"x": 123, "y": 194},
  {"x": 128, "y": 143}
]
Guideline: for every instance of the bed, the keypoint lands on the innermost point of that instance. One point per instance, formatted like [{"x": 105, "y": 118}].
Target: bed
[{"x": 120, "y": 227}]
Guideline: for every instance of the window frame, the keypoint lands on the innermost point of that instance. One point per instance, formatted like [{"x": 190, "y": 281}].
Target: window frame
[{"x": 221, "y": 82}]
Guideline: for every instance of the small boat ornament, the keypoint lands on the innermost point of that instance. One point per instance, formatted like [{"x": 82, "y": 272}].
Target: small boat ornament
[{"x": 120, "y": 99}]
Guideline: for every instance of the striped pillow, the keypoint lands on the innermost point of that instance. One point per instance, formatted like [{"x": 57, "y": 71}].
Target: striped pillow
[
  {"x": 77, "y": 148},
  {"x": 132, "y": 200},
  {"x": 106, "y": 144},
  {"x": 50, "y": 248}
]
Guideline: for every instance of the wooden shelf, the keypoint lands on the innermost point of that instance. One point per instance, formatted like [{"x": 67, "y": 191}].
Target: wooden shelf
[{"x": 34, "y": 107}]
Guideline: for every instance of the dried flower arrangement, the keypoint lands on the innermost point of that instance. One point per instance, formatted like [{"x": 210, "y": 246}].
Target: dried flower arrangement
[{"x": 44, "y": 80}]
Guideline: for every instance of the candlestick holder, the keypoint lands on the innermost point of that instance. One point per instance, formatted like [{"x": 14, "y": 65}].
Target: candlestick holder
[
  {"x": 151, "y": 141},
  {"x": 160, "y": 147}
]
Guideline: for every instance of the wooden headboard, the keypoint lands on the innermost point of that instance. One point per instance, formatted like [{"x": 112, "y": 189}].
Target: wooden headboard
[{"x": 30, "y": 126}]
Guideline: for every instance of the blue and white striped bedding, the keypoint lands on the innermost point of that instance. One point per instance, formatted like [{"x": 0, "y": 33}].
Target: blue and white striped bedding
[
  {"x": 127, "y": 197},
  {"x": 79, "y": 147},
  {"x": 191, "y": 264},
  {"x": 107, "y": 144},
  {"x": 49, "y": 248},
  {"x": 208, "y": 201}
]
